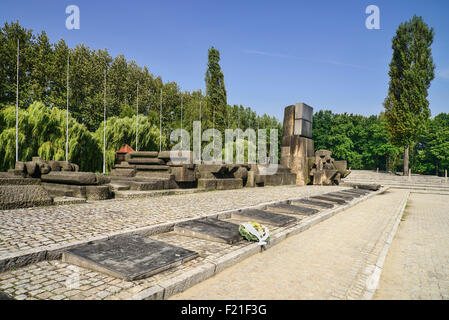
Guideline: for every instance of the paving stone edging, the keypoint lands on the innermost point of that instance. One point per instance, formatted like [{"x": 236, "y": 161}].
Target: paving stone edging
[
  {"x": 178, "y": 284},
  {"x": 373, "y": 280},
  {"x": 53, "y": 252}
]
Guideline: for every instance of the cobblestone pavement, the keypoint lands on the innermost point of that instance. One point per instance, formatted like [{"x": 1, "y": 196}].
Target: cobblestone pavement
[
  {"x": 24, "y": 229},
  {"x": 331, "y": 260},
  {"x": 417, "y": 265},
  {"x": 56, "y": 280}
]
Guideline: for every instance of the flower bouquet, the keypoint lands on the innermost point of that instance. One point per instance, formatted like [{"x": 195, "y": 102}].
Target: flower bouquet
[{"x": 253, "y": 231}]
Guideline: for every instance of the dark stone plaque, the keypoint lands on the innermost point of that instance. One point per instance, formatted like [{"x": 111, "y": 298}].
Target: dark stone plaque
[
  {"x": 263, "y": 216},
  {"x": 340, "y": 196},
  {"x": 293, "y": 209},
  {"x": 314, "y": 203},
  {"x": 329, "y": 199},
  {"x": 352, "y": 194},
  {"x": 129, "y": 257},
  {"x": 210, "y": 229}
]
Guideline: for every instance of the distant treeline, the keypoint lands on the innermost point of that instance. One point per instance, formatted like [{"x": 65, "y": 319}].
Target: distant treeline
[
  {"x": 43, "y": 77},
  {"x": 363, "y": 141}
]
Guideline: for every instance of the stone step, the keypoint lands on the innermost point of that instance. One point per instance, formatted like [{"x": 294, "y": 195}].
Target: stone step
[
  {"x": 152, "y": 167},
  {"x": 292, "y": 209},
  {"x": 67, "y": 200},
  {"x": 148, "y": 161},
  {"x": 144, "y": 154},
  {"x": 263, "y": 216},
  {"x": 119, "y": 187},
  {"x": 130, "y": 257},
  {"x": 210, "y": 229}
]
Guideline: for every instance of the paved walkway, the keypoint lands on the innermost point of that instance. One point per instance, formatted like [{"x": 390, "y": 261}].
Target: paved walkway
[
  {"x": 331, "y": 260},
  {"x": 26, "y": 229},
  {"x": 417, "y": 265}
]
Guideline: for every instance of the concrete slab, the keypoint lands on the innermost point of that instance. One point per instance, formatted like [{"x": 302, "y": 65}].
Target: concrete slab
[
  {"x": 328, "y": 199},
  {"x": 263, "y": 216},
  {"x": 130, "y": 257},
  {"x": 292, "y": 209},
  {"x": 314, "y": 203},
  {"x": 210, "y": 229}
]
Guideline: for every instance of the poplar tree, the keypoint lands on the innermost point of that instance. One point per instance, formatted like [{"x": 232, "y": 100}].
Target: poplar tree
[
  {"x": 215, "y": 89},
  {"x": 411, "y": 70}
]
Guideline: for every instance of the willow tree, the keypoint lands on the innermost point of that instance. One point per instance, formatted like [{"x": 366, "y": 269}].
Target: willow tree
[{"x": 411, "y": 71}]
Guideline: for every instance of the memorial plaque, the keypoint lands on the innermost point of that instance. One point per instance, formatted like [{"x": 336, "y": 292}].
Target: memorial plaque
[
  {"x": 357, "y": 191},
  {"x": 352, "y": 194},
  {"x": 340, "y": 196},
  {"x": 263, "y": 216},
  {"x": 210, "y": 229},
  {"x": 292, "y": 209},
  {"x": 329, "y": 199},
  {"x": 129, "y": 257},
  {"x": 314, "y": 203}
]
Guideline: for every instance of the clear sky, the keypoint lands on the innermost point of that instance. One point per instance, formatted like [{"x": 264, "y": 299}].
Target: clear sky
[{"x": 273, "y": 53}]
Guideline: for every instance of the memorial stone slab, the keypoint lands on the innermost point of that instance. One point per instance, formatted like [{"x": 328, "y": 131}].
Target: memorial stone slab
[
  {"x": 129, "y": 257},
  {"x": 212, "y": 230},
  {"x": 340, "y": 196},
  {"x": 350, "y": 193},
  {"x": 314, "y": 203},
  {"x": 329, "y": 199},
  {"x": 358, "y": 191},
  {"x": 292, "y": 209},
  {"x": 263, "y": 216}
]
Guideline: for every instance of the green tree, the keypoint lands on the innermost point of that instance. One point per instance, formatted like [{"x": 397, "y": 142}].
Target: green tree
[
  {"x": 411, "y": 71},
  {"x": 215, "y": 90}
]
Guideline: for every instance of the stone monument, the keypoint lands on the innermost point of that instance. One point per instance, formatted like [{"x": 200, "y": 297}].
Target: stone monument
[
  {"x": 297, "y": 150},
  {"x": 297, "y": 144}
]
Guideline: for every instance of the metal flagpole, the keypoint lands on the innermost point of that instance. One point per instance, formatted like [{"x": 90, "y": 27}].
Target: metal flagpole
[
  {"x": 17, "y": 104},
  {"x": 104, "y": 124},
  {"x": 67, "y": 117},
  {"x": 181, "y": 121},
  {"x": 160, "y": 125},
  {"x": 137, "y": 117}
]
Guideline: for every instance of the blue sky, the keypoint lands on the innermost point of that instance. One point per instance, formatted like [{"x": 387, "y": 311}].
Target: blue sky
[{"x": 273, "y": 53}]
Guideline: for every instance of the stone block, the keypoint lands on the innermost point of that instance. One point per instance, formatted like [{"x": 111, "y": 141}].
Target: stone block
[
  {"x": 69, "y": 177},
  {"x": 150, "y": 161},
  {"x": 123, "y": 172},
  {"x": 98, "y": 192},
  {"x": 142, "y": 154},
  {"x": 183, "y": 174},
  {"x": 303, "y": 111},
  {"x": 23, "y": 196},
  {"x": 229, "y": 183},
  {"x": 303, "y": 128}
]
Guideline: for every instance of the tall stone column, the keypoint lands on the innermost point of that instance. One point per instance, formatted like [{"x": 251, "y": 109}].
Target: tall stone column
[{"x": 297, "y": 144}]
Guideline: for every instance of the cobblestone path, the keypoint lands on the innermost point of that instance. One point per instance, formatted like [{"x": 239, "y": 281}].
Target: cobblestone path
[
  {"x": 26, "y": 229},
  {"x": 331, "y": 260}
]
